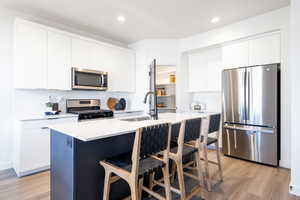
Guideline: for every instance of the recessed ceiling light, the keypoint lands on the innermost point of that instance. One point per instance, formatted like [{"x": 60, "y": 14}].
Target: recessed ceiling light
[
  {"x": 215, "y": 20},
  {"x": 121, "y": 19}
]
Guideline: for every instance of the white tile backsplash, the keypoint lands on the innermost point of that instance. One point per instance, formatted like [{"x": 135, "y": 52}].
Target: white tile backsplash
[
  {"x": 28, "y": 102},
  {"x": 213, "y": 100}
]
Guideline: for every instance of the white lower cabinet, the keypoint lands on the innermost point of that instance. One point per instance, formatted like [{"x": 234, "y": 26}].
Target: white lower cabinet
[{"x": 31, "y": 152}]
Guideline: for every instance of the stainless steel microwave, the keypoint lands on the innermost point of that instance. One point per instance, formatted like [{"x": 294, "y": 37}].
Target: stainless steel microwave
[{"x": 86, "y": 79}]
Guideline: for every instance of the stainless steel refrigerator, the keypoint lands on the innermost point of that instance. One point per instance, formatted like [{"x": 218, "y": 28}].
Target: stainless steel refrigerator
[{"x": 251, "y": 113}]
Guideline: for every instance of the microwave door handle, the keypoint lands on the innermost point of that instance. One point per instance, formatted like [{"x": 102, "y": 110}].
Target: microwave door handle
[{"x": 101, "y": 80}]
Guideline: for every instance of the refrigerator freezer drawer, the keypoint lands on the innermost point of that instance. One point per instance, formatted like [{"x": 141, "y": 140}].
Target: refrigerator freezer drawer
[{"x": 251, "y": 143}]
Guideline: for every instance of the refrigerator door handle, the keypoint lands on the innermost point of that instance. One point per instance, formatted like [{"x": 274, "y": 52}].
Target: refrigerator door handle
[
  {"x": 251, "y": 130},
  {"x": 246, "y": 94}
]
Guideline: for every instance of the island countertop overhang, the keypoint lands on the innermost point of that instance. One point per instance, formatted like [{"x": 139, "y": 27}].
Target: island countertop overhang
[{"x": 100, "y": 129}]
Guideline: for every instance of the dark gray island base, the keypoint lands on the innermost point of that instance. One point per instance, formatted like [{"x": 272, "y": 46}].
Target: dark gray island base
[{"x": 75, "y": 170}]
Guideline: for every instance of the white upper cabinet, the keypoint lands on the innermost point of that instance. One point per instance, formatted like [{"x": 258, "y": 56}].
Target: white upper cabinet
[
  {"x": 256, "y": 51},
  {"x": 44, "y": 57},
  {"x": 81, "y": 53},
  {"x": 120, "y": 65},
  {"x": 101, "y": 58},
  {"x": 59, "y": 61},
  {"x": 265, "y": 50},
  {"x": 235, "y": 55},
  {"x": 30, "y": 63},
  {"x": 123, "y": 72},
  {"x": 205, "y": 69}
]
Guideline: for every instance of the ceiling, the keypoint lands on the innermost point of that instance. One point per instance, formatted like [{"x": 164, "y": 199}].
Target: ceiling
[{"x": 144, "y": 18}]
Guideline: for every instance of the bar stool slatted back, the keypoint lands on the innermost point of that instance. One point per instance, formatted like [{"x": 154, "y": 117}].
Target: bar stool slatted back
[
  {"x": 148, "y": 142},
  {"x": 190, "y": 130},
  {"x": 154, "y": 140},
  {"x": 213, "y": 126}
]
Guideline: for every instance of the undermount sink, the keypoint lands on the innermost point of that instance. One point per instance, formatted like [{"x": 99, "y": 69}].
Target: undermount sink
[{"x": 136, "y": 119}]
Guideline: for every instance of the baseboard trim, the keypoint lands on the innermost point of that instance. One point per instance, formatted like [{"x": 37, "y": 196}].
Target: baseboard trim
[
  {"x": 294, "y": 189},
  {"x": 5, "y": 165},
  {"x": 34, "y": 171}
]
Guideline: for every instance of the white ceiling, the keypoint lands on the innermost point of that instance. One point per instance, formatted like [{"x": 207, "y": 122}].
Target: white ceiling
[{"x": 145, "y": 18}]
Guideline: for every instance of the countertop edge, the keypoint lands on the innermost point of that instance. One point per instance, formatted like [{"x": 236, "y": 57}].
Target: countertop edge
[
  {"x": 93, "y": 129},
  {"x": 45, "y": 117}
]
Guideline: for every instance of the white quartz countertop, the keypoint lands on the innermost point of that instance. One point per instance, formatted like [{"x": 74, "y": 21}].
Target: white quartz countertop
[
  {"x": 30, "y": 117},
  {"x": 99, "y": 129},
  {"x": 127, "y": 111}
]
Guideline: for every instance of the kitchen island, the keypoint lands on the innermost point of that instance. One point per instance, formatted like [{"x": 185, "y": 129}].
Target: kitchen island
[{"x": 77, "y": 148}]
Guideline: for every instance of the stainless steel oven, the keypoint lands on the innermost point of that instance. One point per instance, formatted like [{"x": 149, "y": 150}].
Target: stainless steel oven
[{"x": 86, "y": 79}]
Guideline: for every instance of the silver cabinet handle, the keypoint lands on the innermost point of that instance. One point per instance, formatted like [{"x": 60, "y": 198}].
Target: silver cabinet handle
[
  {"x": 52, "y": 118},
  {"x": 44, "y": 127}
]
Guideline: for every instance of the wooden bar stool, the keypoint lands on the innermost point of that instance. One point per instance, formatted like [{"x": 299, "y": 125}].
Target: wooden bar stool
[
  {"x": 213, "y": 126},
  {"x": 148, "y": 142},
  {"x": 189, "y": 130}
]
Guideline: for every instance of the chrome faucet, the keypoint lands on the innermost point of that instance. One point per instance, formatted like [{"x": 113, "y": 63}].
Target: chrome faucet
[{"x": 152, "y": 105}]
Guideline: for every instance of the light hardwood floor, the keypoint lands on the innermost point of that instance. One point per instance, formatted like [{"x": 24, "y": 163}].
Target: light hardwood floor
[{"x": 242, "y": 181}]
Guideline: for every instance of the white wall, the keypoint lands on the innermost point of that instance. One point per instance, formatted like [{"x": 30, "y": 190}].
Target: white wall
[
  {"x": 27, "y": 102},
  {"x": 267, "y": 22},
  {"x": 294, "y": 73},
  {"x": 6, "y": 33},
  {"x": 277, "y": 20}
]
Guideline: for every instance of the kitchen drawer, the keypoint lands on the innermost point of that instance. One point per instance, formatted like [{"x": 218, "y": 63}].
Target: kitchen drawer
[{"x": 46, "y": 122}]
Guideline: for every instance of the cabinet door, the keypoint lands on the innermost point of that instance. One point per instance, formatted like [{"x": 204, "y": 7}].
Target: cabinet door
[
  {"x": 120, "y": 65},
  {"x": 125, "y": 71},
  {"x": 101, "y": 58},
  {"x": 35, "y": 149},
  {"x": 265, "y": 50},
  {"x": 59, "y": 61},
  {"x": 235, "y": 55},
  {"x": 30, "y": 70},
  {"x": 81, "y": 53},
  {"x": 205, "y": 71},
  {"x": 32, "y": 152}
]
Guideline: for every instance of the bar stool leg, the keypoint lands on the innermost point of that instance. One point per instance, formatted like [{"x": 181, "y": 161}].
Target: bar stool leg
[
  {"x": 207, "y": 175},
  {"x": 173, "y": 172},
  {"x": 141, "y": 181},
  {"x": 181, "y": 179},
  {"x": 166, "y": 175},
  {"x": 134, "y": 188},
  {"x": 106, "y": 185},
  {"x": 219, "y": 161},
  {"x": 151, "y": 182},
  {"x": 199, "y": 169}
]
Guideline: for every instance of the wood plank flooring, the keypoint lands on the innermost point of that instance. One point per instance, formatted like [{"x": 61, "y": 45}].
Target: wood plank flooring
[{"x": 242, "y": 181}]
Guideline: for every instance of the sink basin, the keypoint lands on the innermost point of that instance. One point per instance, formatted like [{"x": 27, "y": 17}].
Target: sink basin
[{"x": 136, "y": 119}]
